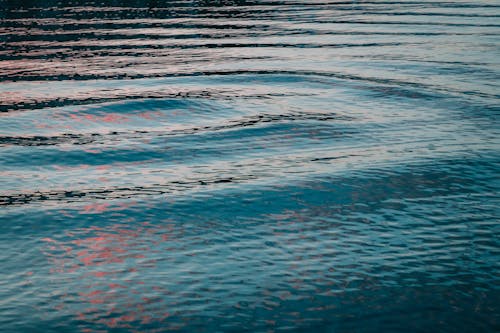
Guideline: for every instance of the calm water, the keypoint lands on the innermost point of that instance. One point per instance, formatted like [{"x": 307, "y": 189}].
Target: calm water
[{"x": 260, "y": 166}]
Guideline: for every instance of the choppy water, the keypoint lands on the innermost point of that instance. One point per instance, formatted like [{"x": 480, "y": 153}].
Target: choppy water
[{"x": 315, "y": 166}]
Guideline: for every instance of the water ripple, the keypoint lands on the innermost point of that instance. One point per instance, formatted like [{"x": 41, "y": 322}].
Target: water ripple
[{"x": 264, "y": 165}]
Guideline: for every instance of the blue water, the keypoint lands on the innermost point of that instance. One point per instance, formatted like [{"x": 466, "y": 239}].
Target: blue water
[{"x": 249, "y": 166}]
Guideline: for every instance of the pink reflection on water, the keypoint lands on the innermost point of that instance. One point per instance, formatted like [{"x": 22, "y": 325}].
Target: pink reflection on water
[
  {"x": 108, "y": 118},
  {"x": 70, "y": 168},
  {"x": 109, "y": 262},
  {"x": 95, "y": 208}
]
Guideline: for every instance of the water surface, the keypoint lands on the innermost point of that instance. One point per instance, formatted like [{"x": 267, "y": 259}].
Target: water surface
[{"x": 260, "y": 166}]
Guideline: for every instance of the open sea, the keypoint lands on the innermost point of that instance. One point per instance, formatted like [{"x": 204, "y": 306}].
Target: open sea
[{"x": 249, "y": 166}]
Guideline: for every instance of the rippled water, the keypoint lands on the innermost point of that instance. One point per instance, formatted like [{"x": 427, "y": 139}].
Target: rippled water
[{"x": 261, "y": 166}]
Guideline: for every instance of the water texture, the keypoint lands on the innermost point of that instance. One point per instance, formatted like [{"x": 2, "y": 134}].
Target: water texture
[{"x": 249, "y": 166}]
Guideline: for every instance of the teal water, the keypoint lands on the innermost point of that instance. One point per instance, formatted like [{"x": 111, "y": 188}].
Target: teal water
[{"x": 249, "y": 166}]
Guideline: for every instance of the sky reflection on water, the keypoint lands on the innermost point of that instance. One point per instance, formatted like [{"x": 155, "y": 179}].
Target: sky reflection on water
[{"x": 261, "y": 166}]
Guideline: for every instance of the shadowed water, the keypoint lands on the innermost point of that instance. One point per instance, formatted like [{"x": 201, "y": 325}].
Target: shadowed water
[{"x": 249, "y": 166}]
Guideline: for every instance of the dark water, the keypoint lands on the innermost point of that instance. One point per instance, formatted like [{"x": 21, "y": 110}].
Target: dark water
[{"x": 260, "y": 166}]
